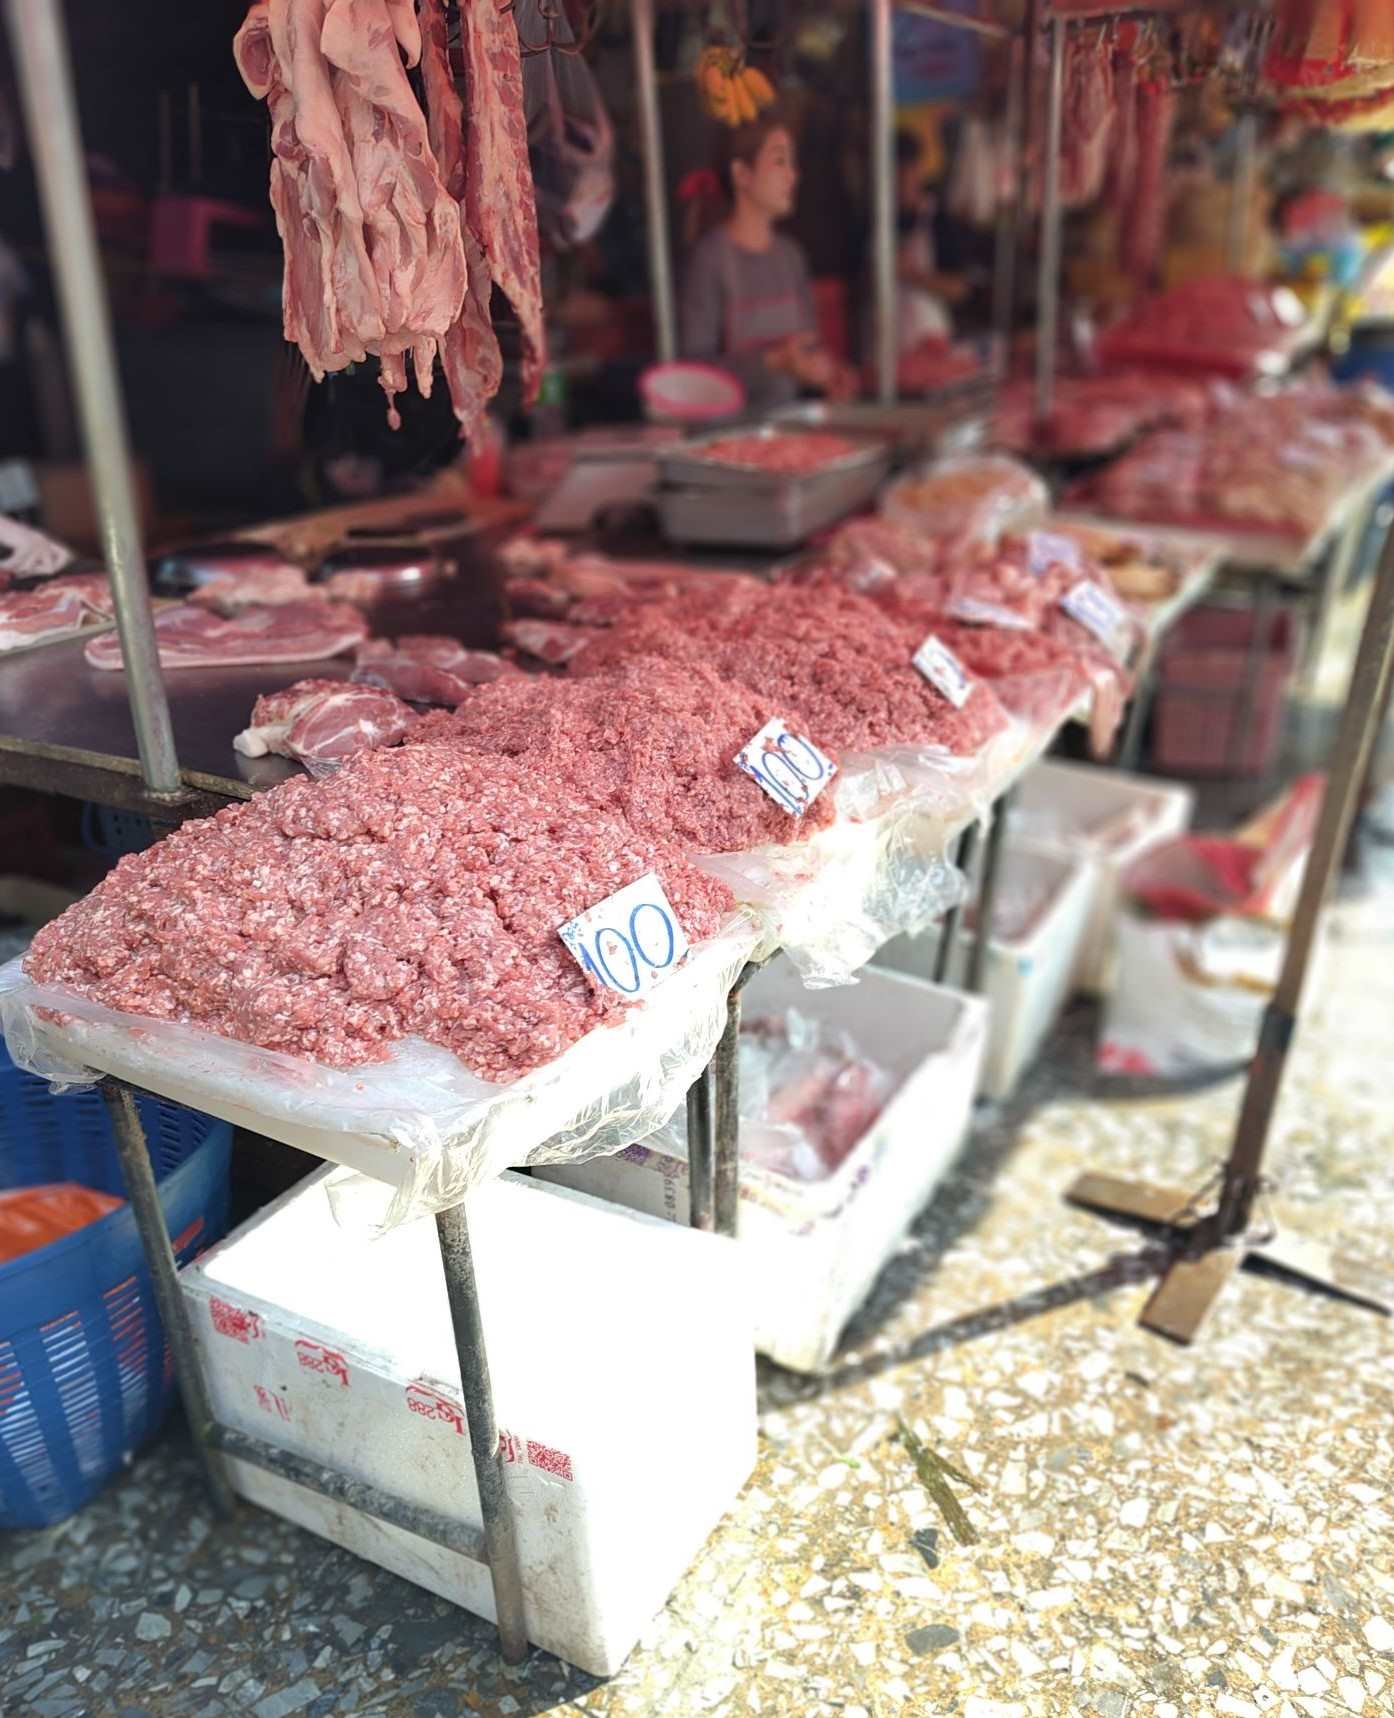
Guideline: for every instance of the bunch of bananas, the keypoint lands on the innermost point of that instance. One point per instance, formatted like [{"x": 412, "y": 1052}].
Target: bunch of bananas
[{"x": 731, "y": 92}]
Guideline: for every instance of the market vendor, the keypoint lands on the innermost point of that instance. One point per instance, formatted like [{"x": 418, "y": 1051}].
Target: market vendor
[{"x": 747, "y": 299}]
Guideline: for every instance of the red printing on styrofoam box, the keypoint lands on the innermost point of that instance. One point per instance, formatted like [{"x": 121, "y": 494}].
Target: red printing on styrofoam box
[
  {"x": 555, "y": 1462},
  {"x": 238, "y": 1322},
  {"x": 315, "y": 1357}
]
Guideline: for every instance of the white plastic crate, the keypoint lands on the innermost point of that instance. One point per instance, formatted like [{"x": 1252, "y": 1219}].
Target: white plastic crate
[
  {"x": 1028, "y": 978},
  {"x": 1104, "y": 819},
  {"x": 813, "y": 1249},
  {"x": 622, "y": 1375}
]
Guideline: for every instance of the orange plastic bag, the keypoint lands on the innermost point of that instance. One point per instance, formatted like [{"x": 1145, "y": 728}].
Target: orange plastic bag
[{"x": 31, "y": 1217}]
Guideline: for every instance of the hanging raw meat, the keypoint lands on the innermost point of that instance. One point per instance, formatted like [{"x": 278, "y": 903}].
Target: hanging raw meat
[
  {"x": 1144, "y": 218},
  {"x": 395, "y": 226},
  {"x": 1089, "y": 104}
]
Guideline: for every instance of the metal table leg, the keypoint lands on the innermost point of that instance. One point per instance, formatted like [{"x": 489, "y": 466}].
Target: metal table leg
[
  {"x": 1144, "y": 690},
  {"x": 1335, "y": 575},
  {"x": 457, "y": 1258},
  {"x": 1242, "y": 713},
  {"x": 948, "y": 936},
  {"x": 139, "y": 1176},
  {"x": 726, "y": 1168},
  {"x": 701, "y": 1152},
  {"x": 987, "y": 893}
]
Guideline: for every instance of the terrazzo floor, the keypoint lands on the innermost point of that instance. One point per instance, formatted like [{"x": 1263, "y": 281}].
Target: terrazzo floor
[{"x": 1159, "y": 1531}]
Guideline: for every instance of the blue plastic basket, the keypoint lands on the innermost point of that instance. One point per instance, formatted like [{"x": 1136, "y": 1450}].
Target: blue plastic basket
[
  {"x": 85, "y": 1376},
  {"x": 116, "y": 833}
]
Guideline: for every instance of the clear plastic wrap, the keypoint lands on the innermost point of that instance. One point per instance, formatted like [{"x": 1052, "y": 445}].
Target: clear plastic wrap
[
  {"x": 808, "y": 1094},
  {"x": 420, "y": 1121},
  {"x": 881, "y": 868},
  {"x": 972, "y": 498}
]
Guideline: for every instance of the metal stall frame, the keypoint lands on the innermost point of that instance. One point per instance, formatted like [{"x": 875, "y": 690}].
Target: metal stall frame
[
  {"x": 45, "y": 76},
  {"x": 495, "y": 1545}
]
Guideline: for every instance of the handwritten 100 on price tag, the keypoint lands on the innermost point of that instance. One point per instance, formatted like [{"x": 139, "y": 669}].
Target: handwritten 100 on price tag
[
  {"x": 943, "y": 670},
  {"x": 630, "y": 940},
  {"x": 1092, "y": 606},
  {"x": 790, "y": 768}
]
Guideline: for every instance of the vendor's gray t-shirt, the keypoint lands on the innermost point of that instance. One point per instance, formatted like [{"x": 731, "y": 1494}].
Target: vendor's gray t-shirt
[{"x": 736, "y": 303}]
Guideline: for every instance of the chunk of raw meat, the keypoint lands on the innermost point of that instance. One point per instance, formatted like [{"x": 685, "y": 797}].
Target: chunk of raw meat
[
  {"x": 414, "y": 893},
  {"x": 469, "y": 352},
  {"x": 93, "y": 588},
  {"x": 192, "y": 637},
  {"x": 274, "y": 715},
  {"x": 428, "y": 668},
  {"x": 322, "y": 722},
  {"x": 374, "y": 261},
  {"x": 50, "y": 611},
  {"x": 233, "y": 589},
  {"x": 551, "y": 641},
  {"x": 500, "y": 210}
]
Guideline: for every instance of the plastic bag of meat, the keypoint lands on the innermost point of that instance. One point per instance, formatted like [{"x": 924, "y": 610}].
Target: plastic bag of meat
[
  {"x": 971, "y": 498},
  {"x": 370, "y": 967},
  {"x": 808, "y": 1094}
]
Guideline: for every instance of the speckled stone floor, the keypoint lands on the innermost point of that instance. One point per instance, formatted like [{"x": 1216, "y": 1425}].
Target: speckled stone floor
[{"x": 1159, "y": 1531}]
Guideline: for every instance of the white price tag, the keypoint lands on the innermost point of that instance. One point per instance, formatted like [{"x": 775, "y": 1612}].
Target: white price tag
[
  {"x": 943, "y": 670},
  {"x": 1047, "y": 549},
  {"x": 1092, "y": 606},
  {"x": 630, "y": 940},
  {"x": 790, "y": 768}
]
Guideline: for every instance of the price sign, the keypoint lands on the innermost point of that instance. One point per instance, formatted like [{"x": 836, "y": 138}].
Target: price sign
[
  {"x": 628, "y": 941},
  {"x": 1092, "y": 606},
  {"x": 943, "y": 670},
  {"x": 790, "y": 768},
  {"x": 1047, "y": 549}
]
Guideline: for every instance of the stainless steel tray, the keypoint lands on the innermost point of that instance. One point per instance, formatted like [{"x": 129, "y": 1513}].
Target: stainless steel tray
[
  {"x": 907, "y": 422},
  {"x": 684, "y": 466},
  {"x": 778, "y": 517}
]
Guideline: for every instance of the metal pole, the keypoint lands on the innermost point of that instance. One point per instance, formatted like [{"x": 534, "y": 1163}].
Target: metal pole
[
  {"x": 883, "y": 197},
  {"x": 1350, "y": 757},
  {"x": 655, "y": 181},
  {"x": 457, "y": 1258},
  {"x": 948, "y": 936},
  {"x": 144, "y": 1196},
  {"x": 1008, "y": 234},
  {"x": 1048, "y": 280},
  {"x": 987, "y": 895},
  {"x": 1241, "y": 192},
  {"x": 45, "y": 81},
  {"x": 1025, "y": 142},
  {"x": 726, "y": 1170},
  {"x": 701, "y": 1188}
]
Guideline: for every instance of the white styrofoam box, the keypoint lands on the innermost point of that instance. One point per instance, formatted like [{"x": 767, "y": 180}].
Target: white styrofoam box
[
  {"x": 622, "y": 1376},
  {"x": 1105, "y": 819},
  {"x": 814, "y": 1248},
  {"x": 1027, "y": 978}
]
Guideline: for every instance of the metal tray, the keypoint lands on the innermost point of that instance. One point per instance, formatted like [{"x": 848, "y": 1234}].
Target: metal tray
[
  {"x": 911, "y": 425},
  {"x": 762, "y": 517},
  {"x": 684, "y": 466}
]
